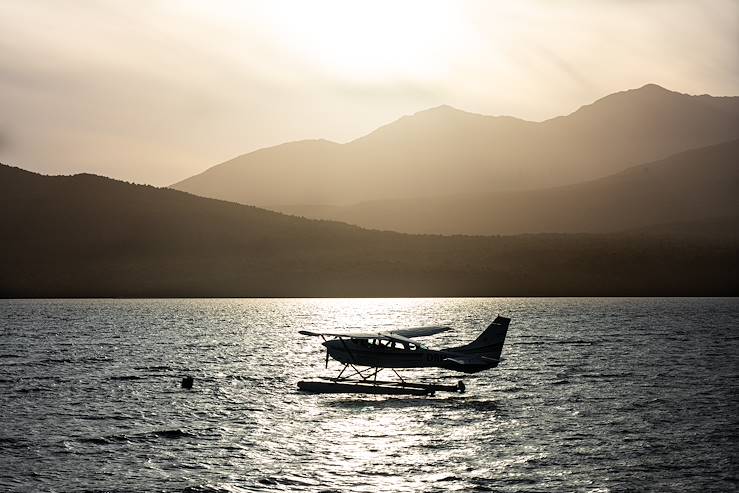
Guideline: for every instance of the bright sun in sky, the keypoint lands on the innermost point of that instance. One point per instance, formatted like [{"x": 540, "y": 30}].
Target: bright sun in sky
[
  {"x": 365, "y": 42},
  {"x": 157, "y": 91},
  {"x": 373, "y": 41}
]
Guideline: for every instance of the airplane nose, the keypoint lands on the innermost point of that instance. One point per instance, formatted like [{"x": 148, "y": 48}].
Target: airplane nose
[{"x": 333, "y": 344}]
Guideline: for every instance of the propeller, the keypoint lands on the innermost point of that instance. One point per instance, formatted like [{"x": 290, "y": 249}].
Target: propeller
[{"x": 326, "y": 357}]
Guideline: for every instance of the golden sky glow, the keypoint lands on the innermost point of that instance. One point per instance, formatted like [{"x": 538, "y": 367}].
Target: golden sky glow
[{"x": 157, "y": 91}]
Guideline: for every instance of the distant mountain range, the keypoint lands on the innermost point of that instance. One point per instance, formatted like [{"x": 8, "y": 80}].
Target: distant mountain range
[
  {"x": 89, "y": 236},
  {"x": 447, "y": 159},
  {"x": 645, "y": 184},
  {"x": 693, "y": 185}
]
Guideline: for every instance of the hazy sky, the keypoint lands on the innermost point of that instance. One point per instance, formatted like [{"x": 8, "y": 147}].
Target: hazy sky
[{"x": 153, "y": 92}]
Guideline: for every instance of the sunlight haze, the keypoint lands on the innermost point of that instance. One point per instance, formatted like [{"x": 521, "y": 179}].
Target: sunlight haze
[{"x": 154, "y": 92}]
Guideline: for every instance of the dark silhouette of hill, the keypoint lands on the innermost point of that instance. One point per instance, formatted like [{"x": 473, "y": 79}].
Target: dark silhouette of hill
[
  {"x": 445, "y": 151},
  {"x": 725, "y": 228},
  {"x": 692, "y": 185},
  {"x": 89, "y": 236}
]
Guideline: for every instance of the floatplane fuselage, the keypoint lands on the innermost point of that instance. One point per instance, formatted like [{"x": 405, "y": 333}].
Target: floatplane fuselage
[
  {"x": 396, "y": 349},
  {"x": 378, "y": 353}
]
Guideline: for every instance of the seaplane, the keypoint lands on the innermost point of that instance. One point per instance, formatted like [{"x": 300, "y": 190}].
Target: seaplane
[{"x": 364, "y": 355}]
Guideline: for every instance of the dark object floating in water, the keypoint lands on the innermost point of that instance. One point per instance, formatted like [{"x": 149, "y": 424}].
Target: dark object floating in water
[{"x": 187, "y": 382}]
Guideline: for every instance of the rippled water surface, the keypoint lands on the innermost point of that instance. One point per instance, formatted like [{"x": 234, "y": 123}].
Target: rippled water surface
[{"x": 595, "y": 395}]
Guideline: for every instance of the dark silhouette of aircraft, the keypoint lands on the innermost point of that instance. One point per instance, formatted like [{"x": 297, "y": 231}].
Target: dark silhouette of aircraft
[{"x": 396, "y": 349}]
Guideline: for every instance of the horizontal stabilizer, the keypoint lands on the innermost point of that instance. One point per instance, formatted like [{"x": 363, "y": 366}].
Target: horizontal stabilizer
[{"x": 472, "y": 359}]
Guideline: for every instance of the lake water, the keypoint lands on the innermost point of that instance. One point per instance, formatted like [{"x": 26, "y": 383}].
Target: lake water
[{"x": 594, "y": 395}]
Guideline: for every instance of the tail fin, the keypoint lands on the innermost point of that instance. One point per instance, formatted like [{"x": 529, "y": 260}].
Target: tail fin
[{"x": 490, "y": 342}]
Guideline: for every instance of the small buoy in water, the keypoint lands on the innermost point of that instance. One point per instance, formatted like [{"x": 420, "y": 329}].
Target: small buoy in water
[
  {"x": 187, "y": 382},
  {"x": 461, "y": 387}
]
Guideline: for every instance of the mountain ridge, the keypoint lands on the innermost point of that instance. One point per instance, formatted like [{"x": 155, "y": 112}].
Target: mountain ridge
[
  {"x": 443, "y": 150},
  {"x": 691, "y": 185},
  {"x": 91, "y": 236}
]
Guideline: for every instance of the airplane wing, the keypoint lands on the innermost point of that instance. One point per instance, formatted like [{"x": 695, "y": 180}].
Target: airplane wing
[
  {"x": 420, "y": 331},
  {"x": 472, "y": 359},
  {"x": 353, "y": 335},
  {"x": 392, "y": 336},
  {"x": 381, "y": 336},
  {"x": 397, "y": 334}
]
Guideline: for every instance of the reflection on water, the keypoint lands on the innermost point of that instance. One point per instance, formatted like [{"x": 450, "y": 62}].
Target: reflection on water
[{"x": 595, "y": 395}]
